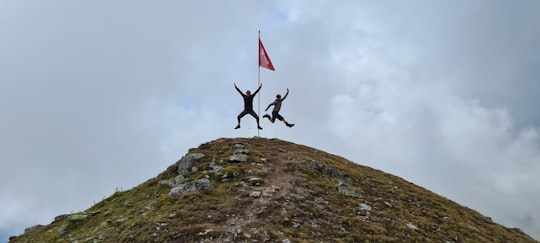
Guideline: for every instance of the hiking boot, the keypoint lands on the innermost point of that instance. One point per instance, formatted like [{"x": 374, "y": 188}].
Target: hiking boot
[
  {"x": 290, "y": 125},
  {"x": 260, "y": 128},
  {"x": 237, "y": 127}
]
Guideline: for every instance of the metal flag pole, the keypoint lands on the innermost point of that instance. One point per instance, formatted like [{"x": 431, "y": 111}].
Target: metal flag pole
[{"x": 258, "y": 78}]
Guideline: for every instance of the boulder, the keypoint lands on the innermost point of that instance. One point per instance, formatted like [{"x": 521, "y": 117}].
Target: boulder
[
  {"x": 238, "y": 158},
  {"x": 193, "y": 186},
  {"x": 187, "y": 162},
  {"x": 240, "y": 152}
]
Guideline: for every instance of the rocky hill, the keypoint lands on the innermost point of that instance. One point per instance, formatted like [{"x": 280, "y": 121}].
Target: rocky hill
[{"x": 268, "y": 190}]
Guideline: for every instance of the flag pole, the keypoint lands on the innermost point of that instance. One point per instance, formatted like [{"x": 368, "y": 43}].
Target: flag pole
[{"x": 258, "y": 77}]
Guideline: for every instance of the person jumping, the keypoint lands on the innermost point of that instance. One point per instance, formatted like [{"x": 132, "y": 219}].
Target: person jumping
[
  {"x": 248, "y": 105},
  {"x": 275, "y": 111}
]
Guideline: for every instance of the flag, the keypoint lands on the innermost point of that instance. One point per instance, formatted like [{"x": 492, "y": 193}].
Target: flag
[{"x": 264, "y": 60}]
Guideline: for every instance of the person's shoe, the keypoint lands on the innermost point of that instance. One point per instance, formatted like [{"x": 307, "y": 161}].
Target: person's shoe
[
  {"x": 260, "y": 128},
  {"x": 266, "y": 116},
  {"x": 290, "y": 125},
  {"x": 237, "y": 127}
]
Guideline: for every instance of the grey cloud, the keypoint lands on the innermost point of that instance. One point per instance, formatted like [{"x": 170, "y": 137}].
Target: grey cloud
[{"x": 109, "y": 95}]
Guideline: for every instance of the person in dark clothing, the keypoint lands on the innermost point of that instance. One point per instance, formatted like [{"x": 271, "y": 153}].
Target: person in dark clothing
[
  {"x": 277, "y": 107},
  {"x": 248, "y": 105}
]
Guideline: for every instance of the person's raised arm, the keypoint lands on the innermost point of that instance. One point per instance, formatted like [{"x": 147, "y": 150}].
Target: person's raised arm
[
  {"x": 237, "y": 89},
  {"x": 257, "y": 91},
  {"x": 285, "y": 96}
]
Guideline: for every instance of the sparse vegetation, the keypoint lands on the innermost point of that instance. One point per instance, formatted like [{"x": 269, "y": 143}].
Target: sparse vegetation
[{"x": 283, "y": 191}]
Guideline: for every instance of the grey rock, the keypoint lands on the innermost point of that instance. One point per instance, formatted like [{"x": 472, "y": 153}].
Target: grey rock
[
  {"x": 411, "y": 226},
  {"x": 176, "y": 181},
  {"x": 365, "y": 207},
  {"x": 164, "y": 182},
  {"x": 239, "y": 146},
  {"x": 193, "y": 186},
  {"x": 33, "y": 228},
  {"x": 349, "y": 191},
  {"x": 215, "y": 168},
  {"x": 238, "y": 158},
  {"x": 121, "y": 220},
  {"x": 255, "y": 194},
  {"x": 187, "y": 162},
  {"x": 255, "y": 181},
  {"x": 325, "y": 169},
  {"x": 240, "y": 152},
  {"x": 171, "y": 170}
]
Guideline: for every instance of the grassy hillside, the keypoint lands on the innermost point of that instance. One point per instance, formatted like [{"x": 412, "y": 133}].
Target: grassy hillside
[{"x": 283, "y": 192}]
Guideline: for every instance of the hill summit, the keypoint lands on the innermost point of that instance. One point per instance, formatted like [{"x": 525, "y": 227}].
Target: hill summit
[{"x": 268, "y": 190}]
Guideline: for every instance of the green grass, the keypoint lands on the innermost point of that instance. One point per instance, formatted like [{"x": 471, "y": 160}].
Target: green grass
[{"x": 301, "y": 204}]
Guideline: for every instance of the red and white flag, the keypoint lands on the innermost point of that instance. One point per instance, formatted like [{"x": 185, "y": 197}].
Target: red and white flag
[{"x": 264, "y": 59}]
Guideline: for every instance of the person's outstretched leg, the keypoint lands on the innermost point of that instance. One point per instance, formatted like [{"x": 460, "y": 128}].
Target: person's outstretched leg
[
  {"x": 242, "y": 114},
  {"x": 238, "y": 124},
  {"x": 252, "y": 113},
  {"x": 287, "y": 124},
  {"x": 258, "y": 126}
]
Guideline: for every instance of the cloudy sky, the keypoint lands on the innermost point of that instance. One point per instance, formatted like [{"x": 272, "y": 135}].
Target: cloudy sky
[{"x": 97, "y": 96}]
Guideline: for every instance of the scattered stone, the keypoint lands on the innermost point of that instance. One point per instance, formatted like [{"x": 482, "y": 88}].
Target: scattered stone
[
  {"x": 215, "y": 168},
  {"x": 286, "y": 241},
  {"x": 206, "y": 231},
  {"x": 268, "y": 193},
  {"x": 188, "y": 161},
  {"x": 388, "y": 204},
  {"x": 255, "y": 181},
  {"x": 472, "y": 228},
  {"x": 238, "y": 158},
  {"x": 411, "y": 226},
  {"x": 240, "y": 152},
  {"x": 365, "y": 207},
  {"x": 255, "y": 194},
  {"x": 226, "y": 177},
  {"x": 121, "y": 220},
  {"x": 194, "y": 186},
  {"x": 349, "y": 191},
  {"x": 327, "y": 170},
  {"x": 239, "y": 145},
  {"x": 176, "y": 181}
]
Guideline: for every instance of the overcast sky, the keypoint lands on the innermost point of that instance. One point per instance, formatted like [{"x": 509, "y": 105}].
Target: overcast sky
[{"x": 100, "y": 95}]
